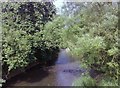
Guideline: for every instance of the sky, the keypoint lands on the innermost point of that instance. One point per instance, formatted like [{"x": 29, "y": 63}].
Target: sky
[{"x": 58, "y": 4}]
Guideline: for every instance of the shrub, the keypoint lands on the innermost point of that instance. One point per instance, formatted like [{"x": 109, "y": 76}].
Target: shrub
[
  {"x": 24, "y": 30},
  {"x": 94, "y": 38},
  {"x": 107, "y": 81},
  {"x": 85, "y": 82}
]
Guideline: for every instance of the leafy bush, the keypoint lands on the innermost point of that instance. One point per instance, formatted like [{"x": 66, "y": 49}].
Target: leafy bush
[
  {"x": 24, "y": 31},
  {"x": 85, "y": 82},
  {"x": 53, "y": 31},
  {"x": 108, "y": 82},
  {"x": 93, "y": 38}
]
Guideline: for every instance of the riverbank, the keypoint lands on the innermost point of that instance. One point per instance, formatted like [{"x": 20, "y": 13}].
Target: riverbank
[{"x": 63, "y": 73}]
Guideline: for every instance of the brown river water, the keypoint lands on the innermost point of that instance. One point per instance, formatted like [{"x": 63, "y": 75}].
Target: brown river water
[{"x": 63, "y": 73}]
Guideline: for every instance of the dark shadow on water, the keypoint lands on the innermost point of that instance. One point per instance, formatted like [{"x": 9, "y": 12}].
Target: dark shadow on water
[
  {"x": 62, "y": 73},
  {"x": 29, "y": 77}
]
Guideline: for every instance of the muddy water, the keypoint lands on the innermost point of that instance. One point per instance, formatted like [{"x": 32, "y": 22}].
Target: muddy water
[{"x": 63, "y": 73}]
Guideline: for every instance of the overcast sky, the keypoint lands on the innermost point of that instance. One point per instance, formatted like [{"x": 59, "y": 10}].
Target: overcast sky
[{"x": 58, "y": 4}]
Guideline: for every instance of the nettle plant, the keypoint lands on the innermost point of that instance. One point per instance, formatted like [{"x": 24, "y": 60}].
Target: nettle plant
[
  {"x": 92, "y": 36},
  {"x": 23, "y": 31}
]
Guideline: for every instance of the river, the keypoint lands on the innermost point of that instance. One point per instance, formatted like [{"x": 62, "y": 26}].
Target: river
[{"x": 63, "y": 73}]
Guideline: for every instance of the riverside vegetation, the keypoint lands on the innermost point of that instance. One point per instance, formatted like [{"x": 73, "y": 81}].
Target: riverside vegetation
[{"x": 91, "y": 33}]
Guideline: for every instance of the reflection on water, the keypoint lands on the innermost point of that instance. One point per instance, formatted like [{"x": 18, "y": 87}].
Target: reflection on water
[{"x": 63, "y": 73}]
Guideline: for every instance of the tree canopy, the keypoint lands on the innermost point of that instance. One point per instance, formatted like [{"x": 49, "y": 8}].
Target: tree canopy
[{"x": 23, "y": 30}]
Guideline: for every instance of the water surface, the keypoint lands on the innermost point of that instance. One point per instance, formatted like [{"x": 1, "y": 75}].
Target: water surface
[{"x": 63, "y": 73}]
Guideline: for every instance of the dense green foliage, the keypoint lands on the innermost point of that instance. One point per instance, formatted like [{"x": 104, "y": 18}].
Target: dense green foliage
[
  {"x": 24, "y": 31},
  {"x": 93, "y": 37},
  {"x": 91, "y": 33},
  {"x": 86, "y": 81}
]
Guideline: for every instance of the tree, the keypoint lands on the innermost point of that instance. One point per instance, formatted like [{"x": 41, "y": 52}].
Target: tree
[
  {"x": 23, "y": 26},
  {"x": 93, "y": 38},
  {"x": 73, "y": 8}
]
